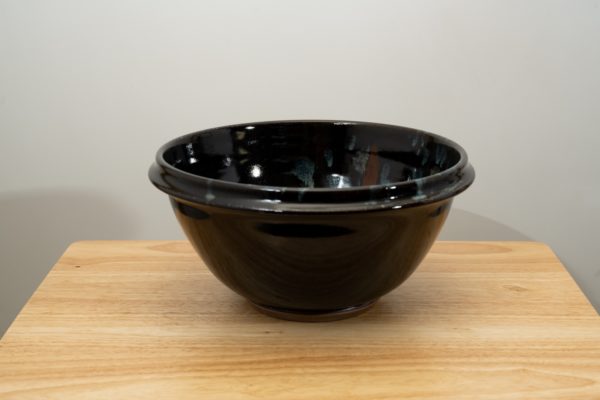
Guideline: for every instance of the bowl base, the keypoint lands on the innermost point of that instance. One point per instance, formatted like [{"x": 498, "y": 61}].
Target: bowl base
[{"x": 314, "y": 316}]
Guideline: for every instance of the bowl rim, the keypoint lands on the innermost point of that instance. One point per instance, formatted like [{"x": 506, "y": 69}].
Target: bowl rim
[{"x": 203, "y": 190}]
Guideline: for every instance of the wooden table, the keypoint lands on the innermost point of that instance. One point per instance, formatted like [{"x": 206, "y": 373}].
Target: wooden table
[{"x": 145, "y": 319}]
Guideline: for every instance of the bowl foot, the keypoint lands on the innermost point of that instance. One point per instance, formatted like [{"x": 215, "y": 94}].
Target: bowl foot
[{"x": 314, "y": 316}]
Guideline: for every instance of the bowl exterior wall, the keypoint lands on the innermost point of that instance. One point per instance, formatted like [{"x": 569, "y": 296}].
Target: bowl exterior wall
[{"x": 311, "y": 262}]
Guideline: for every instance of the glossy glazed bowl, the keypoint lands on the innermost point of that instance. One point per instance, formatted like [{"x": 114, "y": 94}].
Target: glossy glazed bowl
[{"x": 311, "y": 220}]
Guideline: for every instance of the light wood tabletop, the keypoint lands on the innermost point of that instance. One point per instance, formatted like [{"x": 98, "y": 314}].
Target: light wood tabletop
[{"x": 146, "y": 319}]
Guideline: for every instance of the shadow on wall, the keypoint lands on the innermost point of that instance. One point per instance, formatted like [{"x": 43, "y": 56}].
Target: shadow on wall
[
  {"x": 37, "y": 226},
  {"x": 465, "y": 225}
]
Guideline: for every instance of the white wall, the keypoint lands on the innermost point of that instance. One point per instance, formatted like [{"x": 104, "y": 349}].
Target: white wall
[{"x": 89, "y": 90}]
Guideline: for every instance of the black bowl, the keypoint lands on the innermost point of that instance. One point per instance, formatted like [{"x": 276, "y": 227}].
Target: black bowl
[{"x": 311, "y": 220}]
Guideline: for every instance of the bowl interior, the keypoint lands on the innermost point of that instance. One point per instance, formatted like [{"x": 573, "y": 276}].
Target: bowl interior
[{"x": 312, "y": 154}]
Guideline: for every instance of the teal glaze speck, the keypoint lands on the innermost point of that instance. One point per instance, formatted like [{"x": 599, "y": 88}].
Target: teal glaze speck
[
  {"x": 384, "y": 175},
  {"x": 328, "y": 158},
  {"x": 304, "y": 169}
]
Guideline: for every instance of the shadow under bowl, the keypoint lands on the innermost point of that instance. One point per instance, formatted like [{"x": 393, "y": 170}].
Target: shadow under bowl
[{"x": 311, "y": 220}]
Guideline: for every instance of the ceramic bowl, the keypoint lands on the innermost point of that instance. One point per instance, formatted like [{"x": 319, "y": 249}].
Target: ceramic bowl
[{"x": 311, "y": 220}]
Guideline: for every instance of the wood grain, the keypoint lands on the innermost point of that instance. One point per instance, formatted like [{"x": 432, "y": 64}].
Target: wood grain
[{"x": 145, "y": 319}]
